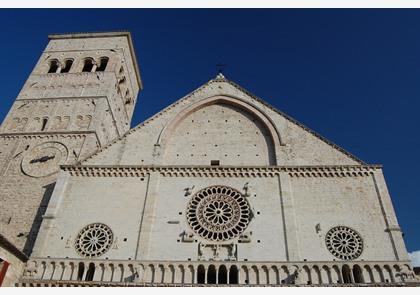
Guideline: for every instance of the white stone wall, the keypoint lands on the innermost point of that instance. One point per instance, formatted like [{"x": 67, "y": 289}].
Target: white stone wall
[
  {"x": 223, "y": 133},
  {"x": 287, "y": 208},
  {"x": 117, "y": 202},
  {"x": 348, "y": 201}
]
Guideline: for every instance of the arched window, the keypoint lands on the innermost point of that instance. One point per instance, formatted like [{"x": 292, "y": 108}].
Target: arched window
[
  {"x": 233, "y": 275},
  {"x": 44, "y": 123},
  {"x": 211, "y": 275},
  {"x": 81, "y": 271},
  {"x": 88, "y": 65},
  {"x": 201, "y": 274},
  {"x": 346, "y": 273},
  {"x": 127, "y": 97},
  {"x": 103, "y": 64},
  {"x": 90, "y": 272},
  {"x": 222, "y": 276},
  {"x": 67, "y": 66},
  {"x": 53, "y": 66},
  {"x": 122, "y": 81},
  {"x": 357, "y": 274}
]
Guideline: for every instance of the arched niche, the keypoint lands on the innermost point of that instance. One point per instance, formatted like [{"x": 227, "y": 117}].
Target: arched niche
[{"x": 224, "y": 129}]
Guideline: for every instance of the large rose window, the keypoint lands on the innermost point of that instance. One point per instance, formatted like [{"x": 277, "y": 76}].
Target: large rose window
[{"x": 218, "y": 213}]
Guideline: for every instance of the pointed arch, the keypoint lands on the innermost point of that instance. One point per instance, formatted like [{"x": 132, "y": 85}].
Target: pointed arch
[{"x": 251, "y": 110}]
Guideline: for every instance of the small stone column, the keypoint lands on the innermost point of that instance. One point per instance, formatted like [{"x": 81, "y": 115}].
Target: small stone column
[{"x": 99, "y": 269}]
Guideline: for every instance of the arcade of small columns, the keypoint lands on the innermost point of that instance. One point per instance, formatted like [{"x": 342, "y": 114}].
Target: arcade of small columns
[{"x": 76, "y": 272}]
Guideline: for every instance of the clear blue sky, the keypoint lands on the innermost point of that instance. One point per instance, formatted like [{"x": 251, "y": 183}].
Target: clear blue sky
[{"x": 351, "y": 75}]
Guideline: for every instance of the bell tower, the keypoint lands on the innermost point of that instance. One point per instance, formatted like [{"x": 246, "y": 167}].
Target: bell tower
[{"x": 80, "y": 96}]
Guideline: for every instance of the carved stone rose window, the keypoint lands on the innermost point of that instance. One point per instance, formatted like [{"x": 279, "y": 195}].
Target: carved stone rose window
[
  {"x": 344, "y": 242},
  {"x": 218, "y": 213},
  {"x": 94, "y": 240}
]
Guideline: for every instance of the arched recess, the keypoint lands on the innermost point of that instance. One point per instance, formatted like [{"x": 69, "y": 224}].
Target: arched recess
[{"x": 269, "y": 129}]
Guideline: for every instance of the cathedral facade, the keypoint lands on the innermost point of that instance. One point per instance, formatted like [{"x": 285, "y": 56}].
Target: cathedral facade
[{"x": 219, "y": 188}]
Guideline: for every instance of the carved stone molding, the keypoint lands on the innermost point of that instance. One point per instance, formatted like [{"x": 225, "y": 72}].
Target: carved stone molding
[{"x": 208, "y": 171}]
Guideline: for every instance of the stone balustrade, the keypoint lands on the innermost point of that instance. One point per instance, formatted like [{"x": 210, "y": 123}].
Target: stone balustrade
[{"x": 47, "y": 272}]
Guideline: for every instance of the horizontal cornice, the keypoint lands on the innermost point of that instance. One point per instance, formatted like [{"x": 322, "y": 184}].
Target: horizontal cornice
[
  {"x": 47, "y": 133},
  {"x": 221, "y": 171}
]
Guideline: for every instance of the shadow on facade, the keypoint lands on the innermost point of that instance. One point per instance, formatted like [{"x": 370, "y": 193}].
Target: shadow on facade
[{"x": 36, "y": 224}]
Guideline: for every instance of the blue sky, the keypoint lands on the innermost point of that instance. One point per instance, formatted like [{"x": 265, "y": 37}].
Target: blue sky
[{"x": 351, "y": 75}]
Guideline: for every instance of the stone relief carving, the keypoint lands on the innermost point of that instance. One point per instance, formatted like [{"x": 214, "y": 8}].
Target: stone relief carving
[
  {"x": 220, "y": 252},
  {"x": 61, "y": 123},
  {"x": 82, "y": 122},
  {"x": 188, "y": 190},
  {"x": 18, "y": 124}
]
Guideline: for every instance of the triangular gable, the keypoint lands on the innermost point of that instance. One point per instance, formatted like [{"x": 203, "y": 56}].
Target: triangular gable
[{"x": 140, "y": 145}]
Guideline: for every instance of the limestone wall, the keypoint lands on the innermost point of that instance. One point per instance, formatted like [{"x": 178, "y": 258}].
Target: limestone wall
[{"x": 292, "y": 211}]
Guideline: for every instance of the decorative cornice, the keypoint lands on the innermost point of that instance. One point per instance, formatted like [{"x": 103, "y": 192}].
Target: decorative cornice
[
  {"x": 221, "y": 171},
  {"x": 65, "y": 99},
  {"x": 48, "y": 134}
]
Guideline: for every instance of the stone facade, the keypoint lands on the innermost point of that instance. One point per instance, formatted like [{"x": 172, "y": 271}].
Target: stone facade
[{"x": 218, "y": 188}]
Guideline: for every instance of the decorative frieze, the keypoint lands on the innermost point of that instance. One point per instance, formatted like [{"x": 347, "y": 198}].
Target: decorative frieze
[{"x": 208, "y": 171}]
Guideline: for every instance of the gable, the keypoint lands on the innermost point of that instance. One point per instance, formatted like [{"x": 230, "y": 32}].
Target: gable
[{"x": 221, "y": 121}]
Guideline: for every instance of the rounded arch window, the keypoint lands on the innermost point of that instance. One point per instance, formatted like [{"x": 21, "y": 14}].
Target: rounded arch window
[
  {"x": 88, "y": 64},
  {"x": 218, "y": 213},
  {"x": 344, "y": 242},
  {"x": 54, "y": 65},
  {"x": 103, "y": 62},
  {"x": 67, "y": 65}
]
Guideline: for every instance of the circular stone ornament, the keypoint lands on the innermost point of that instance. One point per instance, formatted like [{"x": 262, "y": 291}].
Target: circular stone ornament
[
  {"x": 44, "y": 159},
  {"x": 344, "y": 242},
  {"x": 94, "y": 240},
  {"x": 218, "y": 213}
]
